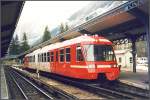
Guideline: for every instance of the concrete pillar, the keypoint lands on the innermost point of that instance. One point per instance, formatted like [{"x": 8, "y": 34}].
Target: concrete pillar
[
  {"x": 148, "y": 48},
  {"x": 133, "y": 40}
]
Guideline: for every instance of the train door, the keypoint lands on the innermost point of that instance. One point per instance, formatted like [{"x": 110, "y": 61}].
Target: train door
[
  {"x": 56, "y": 61},
  {"x": 52, "y": 66}
]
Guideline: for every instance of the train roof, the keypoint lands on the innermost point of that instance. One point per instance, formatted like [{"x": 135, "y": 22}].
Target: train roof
[{"x": 80, "y": 39}]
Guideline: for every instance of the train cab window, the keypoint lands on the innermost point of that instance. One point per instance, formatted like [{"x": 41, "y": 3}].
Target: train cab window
[
  {"x": 79, "y": 56},
  {"x": 61, "y": 55},
  {"x": 48, "y": 57},
  {"x": 45, "y": 57},
  {"x": 67, "y": 54},
  {"x": 52, "y": 56},
  {"x": 56, "y": 55}
]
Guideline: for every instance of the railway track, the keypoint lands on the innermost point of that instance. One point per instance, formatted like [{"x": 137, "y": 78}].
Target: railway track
[
  {"x": 110, "y": 90},
  {"x": 125, "y": 88},
  {"x": 26, "y": 89}
]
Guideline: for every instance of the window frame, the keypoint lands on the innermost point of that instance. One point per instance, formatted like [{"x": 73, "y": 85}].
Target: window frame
[
  {"x": 52, "y": 56},
  {"x": 38, "y": 57},
  {"x": 45, "y": 57},
  {"x": 61, "y": 55},
  {"x": 67, "y": 54},
  {"x": 42, "y": 57},
  {"x": 48, "y": 56},
  {"x": 77, "y": 54},
  {"x": 120, "y": 59},
  {"x": 57, "y": 58}
]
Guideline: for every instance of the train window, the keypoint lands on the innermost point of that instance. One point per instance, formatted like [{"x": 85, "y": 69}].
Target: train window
[
  {"x": 67, "y": 54},
  {"x": 45, "y": 57},
  {"x": 34, "y": 58},
  {"x": 42, "y": 57},
  {"x": 79, "y": 56},
  {"x": 52, "y": 56},
  {"x": 38, "y": 57},
  {"x": 48, "y": 57},
  {"x": 61, "y": 55},
  {"x": 120, "y": 59},
  {"x": 30, "y": 58},
  {"x": 56, "y": 55}
]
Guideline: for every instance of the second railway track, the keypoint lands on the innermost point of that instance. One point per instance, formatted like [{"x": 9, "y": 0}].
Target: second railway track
[{"x": 26, "y": 89}]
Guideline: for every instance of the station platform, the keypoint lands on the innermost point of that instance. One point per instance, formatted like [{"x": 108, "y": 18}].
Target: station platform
[
  {"x": 4, "y": 88},
  {"x": 138, "y": 79}
]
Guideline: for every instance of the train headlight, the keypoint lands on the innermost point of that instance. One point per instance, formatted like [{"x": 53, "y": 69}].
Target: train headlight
[
  {"x": 104, "y": 66},
  {"x": 91, "y": 66}
]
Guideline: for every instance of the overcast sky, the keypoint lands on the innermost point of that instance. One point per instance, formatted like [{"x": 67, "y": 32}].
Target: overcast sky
[{"x": 37, "y": 14}]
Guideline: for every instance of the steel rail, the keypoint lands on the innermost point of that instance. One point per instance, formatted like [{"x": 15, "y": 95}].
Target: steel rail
[
  {"x": 18, "y": 86},
  {"x": 119, "y": 86},
  {"x": 110, "y": 93},
  {"x": 58, "y": 91},
  {"x": 41, "y": 91},
  {"x": 100, "y": 91}
]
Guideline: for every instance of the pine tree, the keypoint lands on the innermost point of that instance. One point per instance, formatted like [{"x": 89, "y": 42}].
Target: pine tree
[
  {"x": 67, "y": 27},
  {"x": 62, "y": 29},
  {"x": 11, "y": 47},
  {"x": 25, "y": 46},
  {"x": 47, "y": 34},
  {"x": 14, "y": 46},
  {"x": 17, "y": 45}
]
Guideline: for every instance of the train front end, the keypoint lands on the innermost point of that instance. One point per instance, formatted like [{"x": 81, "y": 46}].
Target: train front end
[{"x": 100, "y": 59}]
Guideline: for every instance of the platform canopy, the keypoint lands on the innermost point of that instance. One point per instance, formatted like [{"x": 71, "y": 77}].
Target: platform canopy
[
  {"x": 10, "y": 13},
  {"x": 120, "y": 22},
  {"x": 126, "y": 20}
]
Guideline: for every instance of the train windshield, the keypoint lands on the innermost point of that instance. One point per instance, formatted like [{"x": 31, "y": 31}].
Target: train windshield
[{"x": 99, "y": 53}]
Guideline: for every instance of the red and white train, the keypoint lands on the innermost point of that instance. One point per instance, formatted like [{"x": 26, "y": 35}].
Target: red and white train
[{"x": 84, "y": 57}]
